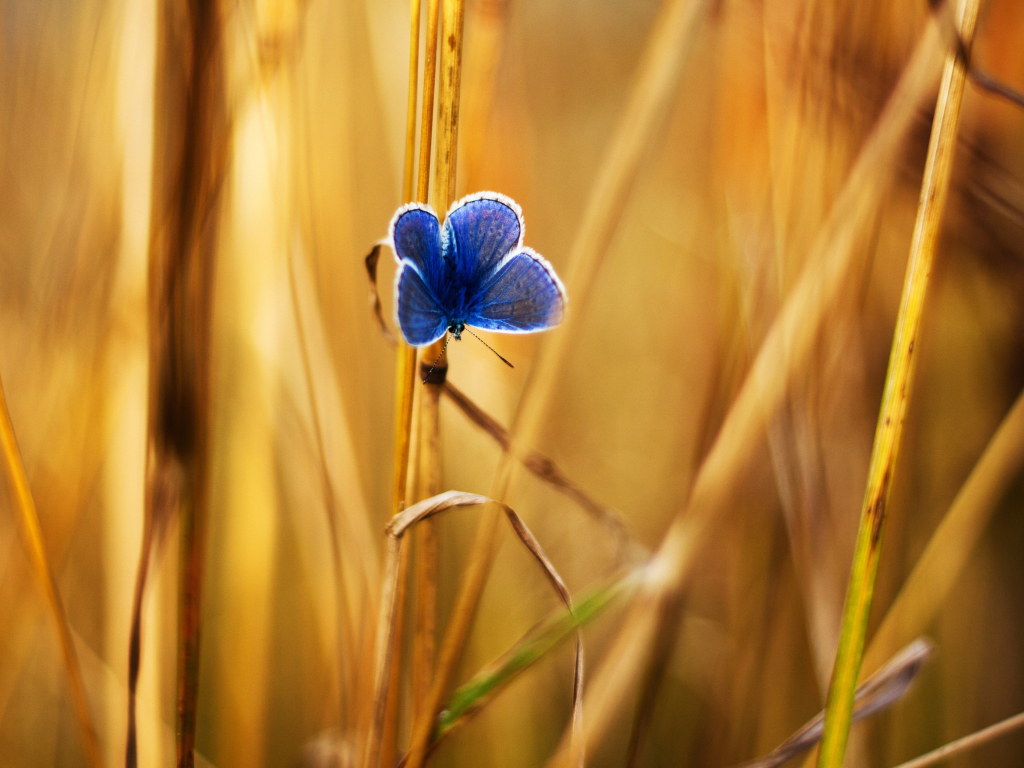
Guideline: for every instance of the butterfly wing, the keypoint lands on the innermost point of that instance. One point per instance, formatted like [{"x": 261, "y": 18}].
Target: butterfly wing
[
  {"x": 523, "y": 295},
  {"x": 415, "y": 236},
  {"x": 479, "y": 232},
  {"x": 417, "y": 312}
]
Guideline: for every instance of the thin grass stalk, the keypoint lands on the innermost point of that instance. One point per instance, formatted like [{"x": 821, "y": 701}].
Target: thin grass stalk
[
  {"x": 380, "y": 746},
  {"x": 545, "y": 469},
  {"x": 452, "y": 18},
  {"x": 409, "y": 171},
  {"x": 383, "y": 721},
  {"x": 671, "y": 42},
  {"x": 784, "y": 352},
  {"x": 967, "y": 743},
  {"x": 428, "y": 465},
  {"x": 428, "y": 483},
  {"x": 899, "y": 380},
  {"x": 343, "y": 640},
  {"x": 32, "y": 535}
]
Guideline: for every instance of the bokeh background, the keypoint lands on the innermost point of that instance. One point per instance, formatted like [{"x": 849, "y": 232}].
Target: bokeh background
[{"x": 765, "y": 122}]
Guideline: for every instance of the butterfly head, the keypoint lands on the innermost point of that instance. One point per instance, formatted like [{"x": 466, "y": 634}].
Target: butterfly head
[{"x": 456, "y": 329}]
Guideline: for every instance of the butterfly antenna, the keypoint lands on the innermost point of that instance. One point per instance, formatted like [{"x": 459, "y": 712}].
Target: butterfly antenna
[
  {"x": 439, "y": 356},
  {"x": 506, "y": 362}
]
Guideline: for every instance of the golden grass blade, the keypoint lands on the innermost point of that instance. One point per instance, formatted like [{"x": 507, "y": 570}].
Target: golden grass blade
[
  {"x": 670, "y": 43},
  {"x": 898, "y": 383},
  {"x": 951, "y": 546},
  {"x": 784, "y": 351},
  {"x": 878, "y": 692},
  {"x": 32, "y": 535},
  {"x": 967, "y": 743}
]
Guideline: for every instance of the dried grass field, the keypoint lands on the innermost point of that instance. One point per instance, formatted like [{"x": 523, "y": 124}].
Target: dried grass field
[{"x": 774, "y": 452}]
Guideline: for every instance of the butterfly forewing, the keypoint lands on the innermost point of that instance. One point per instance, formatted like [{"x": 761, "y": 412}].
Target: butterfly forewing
[{"x": 479, "y": 232}]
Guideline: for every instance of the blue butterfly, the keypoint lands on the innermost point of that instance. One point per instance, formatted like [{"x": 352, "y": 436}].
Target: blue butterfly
[{"x": 473, "y": 271}]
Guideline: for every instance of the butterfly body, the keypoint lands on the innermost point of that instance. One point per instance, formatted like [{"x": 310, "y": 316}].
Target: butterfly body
[{"x": 471, "y": 271}]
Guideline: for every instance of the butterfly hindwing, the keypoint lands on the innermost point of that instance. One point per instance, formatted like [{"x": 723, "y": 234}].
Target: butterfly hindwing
[
  {"x": 480, "y": 231},
  {"x": 416, "y": 310},
  {"x": 523, "y": 295}
]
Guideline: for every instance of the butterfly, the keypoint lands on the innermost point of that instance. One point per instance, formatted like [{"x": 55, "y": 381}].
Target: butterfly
[{"x": 471, "y": 271}]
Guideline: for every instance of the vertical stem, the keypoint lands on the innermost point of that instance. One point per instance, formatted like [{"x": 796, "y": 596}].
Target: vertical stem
[
  {"x": 191, "y": 141},
  {"x": 427, "y": 466},
  {"x": 410, "y": 115},
  {"x": 899, "y": 379},
  {"x": 184, "y": 363},
  {"x": 453, "y": 14},
  {"x": 379, "y": 744},
  {"x": 428, "y": 484},
  {"x": 33, "y": 536}
]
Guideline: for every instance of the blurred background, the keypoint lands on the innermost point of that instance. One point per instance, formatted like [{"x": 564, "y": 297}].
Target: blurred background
[{"x": 766, "y": 120}]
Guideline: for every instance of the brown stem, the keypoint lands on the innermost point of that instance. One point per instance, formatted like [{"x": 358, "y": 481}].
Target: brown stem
[{"x": 191, "y": 152}]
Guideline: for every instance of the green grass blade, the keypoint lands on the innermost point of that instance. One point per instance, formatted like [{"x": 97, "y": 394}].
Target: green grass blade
[{"x": 531, "y": 648}]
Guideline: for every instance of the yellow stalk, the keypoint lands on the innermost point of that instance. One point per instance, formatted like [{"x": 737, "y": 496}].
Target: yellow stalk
[
  {"x": 383, "y": 721},
  {"x": 33, "y": 536},
  {"x": 899, "y": 379},
  {"x": 427, "y": 465},
  {"x": 452, "y": 15}
]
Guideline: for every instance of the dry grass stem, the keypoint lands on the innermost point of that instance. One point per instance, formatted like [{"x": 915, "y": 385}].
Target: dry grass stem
[
  {"x": 191, "y": 151},
  {"x": 32, "y": 535},
  {"x": 898, "y": 385},
  {"x": 545, "y": 469},
  {"x": 785, "y": 350},
  {"x": 967, "y": 743},
  {"x": 379, "y": 746},
  {"x": 380, "y": 741},
  {"x": 427, "y": 465}
]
